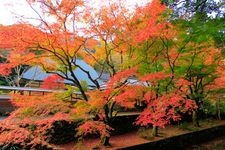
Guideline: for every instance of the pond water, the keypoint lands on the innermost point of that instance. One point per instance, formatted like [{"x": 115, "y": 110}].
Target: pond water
[
  {"x": 216, "y": 144},
  {"x": 2, "y": 117}
]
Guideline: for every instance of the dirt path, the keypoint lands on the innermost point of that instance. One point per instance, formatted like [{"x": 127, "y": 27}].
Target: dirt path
[{"x": 134, "y": 138}]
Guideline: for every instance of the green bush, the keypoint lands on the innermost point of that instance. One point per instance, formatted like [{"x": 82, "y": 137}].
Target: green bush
[
  {"x": 208, "y": 107},
  {"x": 222, "y": 107}
]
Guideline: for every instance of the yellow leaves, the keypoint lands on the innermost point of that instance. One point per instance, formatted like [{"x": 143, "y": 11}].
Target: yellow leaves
[
  {"x": 48, "y": 63},
  {"x": 94, "y": 105},
  {"x": 82, "y": 107},
  {"x": 26, "y": 100},
  {"x": 96, "y": 99},
  {"x": 17, "y": 58},
  {"x": 101, "y": 52},
  {"x": 95, "y": 52}
]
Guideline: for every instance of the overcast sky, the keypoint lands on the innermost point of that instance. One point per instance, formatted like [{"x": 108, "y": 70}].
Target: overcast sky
[{"x": 9, "y": 9}]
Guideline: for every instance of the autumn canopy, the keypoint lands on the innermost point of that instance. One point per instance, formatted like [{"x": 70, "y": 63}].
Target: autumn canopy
[{"x": 155, "y": 59}]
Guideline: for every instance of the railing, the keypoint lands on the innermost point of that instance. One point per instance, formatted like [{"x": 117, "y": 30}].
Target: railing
[
  {"x": 30, "y": 90},
  {"x": 43, "y": 91},
  {"x": 6, "y": 97},
  {"x": 6, "y": 106}
]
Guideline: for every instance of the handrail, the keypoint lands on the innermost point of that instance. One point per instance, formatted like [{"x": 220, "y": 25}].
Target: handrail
[
  {"x": 4, "y": 97},
  {"x": 29, "y": 89}
]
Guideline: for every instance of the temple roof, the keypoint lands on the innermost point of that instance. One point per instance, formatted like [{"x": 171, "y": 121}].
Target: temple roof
[{"x": 36, "y": 73}]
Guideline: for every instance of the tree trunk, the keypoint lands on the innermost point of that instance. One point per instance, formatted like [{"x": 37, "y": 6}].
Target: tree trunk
[
  {"x": 83, "y": 94},
  {"x": 155, "y": 131},
  {"x": 195, "y": 119},
  {"x": 218, "y": 109},
  {"x": 111, "y": 110},
  {"x": 105, "y": 141}
]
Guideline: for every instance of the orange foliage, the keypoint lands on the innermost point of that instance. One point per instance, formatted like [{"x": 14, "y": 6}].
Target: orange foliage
[
  {"x": 218, "y": 83},
  {"x": 117, "y": 91},
  {"x": 37, "y": 105},
  {"x": 128, "y": 96},
  {"x": 96, "y": 99},
  {"x": 121, "y": 76},
  {"x": 13, "y": 42},
  {"x": 154, "y": 77},
  {"x": 5, "y": 69},
  {"x": 149, "y": 20},
  {"x": 20, "y": 133},
  {"x": 111, "y": 25},
  {"x": 28, "y": 126},
  {"x": 183, "y": 86}
]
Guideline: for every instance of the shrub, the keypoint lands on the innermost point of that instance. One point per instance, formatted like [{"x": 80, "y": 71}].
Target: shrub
[
  {"x": 17, "y": 135},
  {"x": 91, "y": 127},
  {"x": 36, "y": 106},
  {"x": 208, "y": 107},
  {"x": 42, "y": 119}
]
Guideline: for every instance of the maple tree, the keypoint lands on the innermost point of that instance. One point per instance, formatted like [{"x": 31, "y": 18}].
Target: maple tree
[
  {"x": 195, "y": 58},
  {"x": 57, "y": 47},
  {"x": 12, "y": 66},
  {"x": 101, "y": 104},
  {"x": 94, "y": 127},
  {"x": 111, "y": 26},
  {"x": 187, "y": 51},
  {"x": 58, "y": 44},
  {"x": 54, "y": 45},
  {"x": 162, "y": 108},
  {"x": 180, "y": 48}
]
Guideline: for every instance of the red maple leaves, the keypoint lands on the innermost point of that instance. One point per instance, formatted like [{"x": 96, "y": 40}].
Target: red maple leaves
[
  {"x": 94, "y": 127},
  {"x": 150, "y": 23},
  {"x": 53, "y": 82},
  {"x": 162, "y": 110}
]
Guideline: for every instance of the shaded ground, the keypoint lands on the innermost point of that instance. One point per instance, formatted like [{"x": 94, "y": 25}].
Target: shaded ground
[
  {"x": 135, "y": 138},
  {"x": 216, "y": 144}
]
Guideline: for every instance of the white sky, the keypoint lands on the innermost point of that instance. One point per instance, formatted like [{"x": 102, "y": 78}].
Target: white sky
[{"x": 9, "y": 9}]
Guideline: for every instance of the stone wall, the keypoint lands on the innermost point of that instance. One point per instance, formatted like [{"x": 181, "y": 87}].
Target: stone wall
[
  {"x": 182, "y": 141},
  {"x": 5, "y": 107}
]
